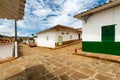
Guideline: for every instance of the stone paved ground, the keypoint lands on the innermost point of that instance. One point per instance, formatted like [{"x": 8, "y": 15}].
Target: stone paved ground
[{"x": 38, "y": 63}]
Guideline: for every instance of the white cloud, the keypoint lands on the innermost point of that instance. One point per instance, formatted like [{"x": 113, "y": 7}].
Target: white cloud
[
  {"x": 71, "y": 6},
  {"x": 65, "y": 20},
  {"x": 11, "y": 31},
  {"x": 23, "y": 34},
  {"x": 21, "y": 24},
  {"x": 6, "y": 30},
  {"x": 42, "y": 14}
]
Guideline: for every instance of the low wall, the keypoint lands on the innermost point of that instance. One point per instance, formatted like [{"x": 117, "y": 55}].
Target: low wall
[
  {"x": 112, "y": 48},
  {"x": 6, "y": 51},
  {"x": 66, "y": 42}
]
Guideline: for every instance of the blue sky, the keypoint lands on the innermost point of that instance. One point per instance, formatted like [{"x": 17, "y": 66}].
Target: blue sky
[{"x": 43, "y": 14}]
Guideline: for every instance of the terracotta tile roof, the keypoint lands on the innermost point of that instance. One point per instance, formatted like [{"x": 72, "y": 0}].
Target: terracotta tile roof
[
  {"x": 107, "y": 5},
  {"x": 59, "y": 28}
]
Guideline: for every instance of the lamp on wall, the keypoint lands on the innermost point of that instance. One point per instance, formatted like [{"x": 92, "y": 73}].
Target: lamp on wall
[{"x": 87, "y": 17}]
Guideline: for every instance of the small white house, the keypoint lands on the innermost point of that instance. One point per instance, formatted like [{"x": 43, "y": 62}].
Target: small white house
[
  {"x": 101, "y": 28},
  {"x": 56, "y": 36}
]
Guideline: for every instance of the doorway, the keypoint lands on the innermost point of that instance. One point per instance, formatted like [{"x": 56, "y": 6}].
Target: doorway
[
  {"x": 108, "y": 33},
  {"x": 60, "y": 39},
  {"x": 79, "y": 36}
]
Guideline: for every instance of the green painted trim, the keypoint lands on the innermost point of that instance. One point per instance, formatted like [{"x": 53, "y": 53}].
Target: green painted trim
[{"x": 112, "y": 48}]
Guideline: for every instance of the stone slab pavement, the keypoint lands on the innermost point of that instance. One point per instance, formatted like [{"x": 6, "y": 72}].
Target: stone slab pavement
[
  {"x": 6, "y": 51},
  {"x": 38, "y": 63}
]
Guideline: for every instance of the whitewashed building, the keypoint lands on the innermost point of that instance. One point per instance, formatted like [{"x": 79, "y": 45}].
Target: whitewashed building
[
  {"x": 11, "y": 10},
  {"x": 101, "y": 28},
  {"x": 56, "y": 36}
]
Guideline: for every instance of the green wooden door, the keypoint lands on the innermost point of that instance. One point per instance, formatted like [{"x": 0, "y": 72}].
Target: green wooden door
[
  {"x": 108, "y": 33},
  {"x": 59, "y": 40}
]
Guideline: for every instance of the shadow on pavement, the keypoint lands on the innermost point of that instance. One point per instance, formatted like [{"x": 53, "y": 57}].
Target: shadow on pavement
[
  {"x": 20, "y": 52},
  {"x": 38, "y": 72}
]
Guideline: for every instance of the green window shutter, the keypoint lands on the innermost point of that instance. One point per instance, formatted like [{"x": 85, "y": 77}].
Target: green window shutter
[{"x": 108, "y": 33}]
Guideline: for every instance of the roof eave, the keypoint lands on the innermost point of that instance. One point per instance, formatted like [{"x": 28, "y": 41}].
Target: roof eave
[
  {"x": 55, "y": 27},
  {"x": 13, "y": 9},
  {"x": 98, "y": 9}
]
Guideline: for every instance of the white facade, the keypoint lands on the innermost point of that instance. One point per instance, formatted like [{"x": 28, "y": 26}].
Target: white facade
[
  {"x": 49, "y": 38},
  {"x": 92, "y": 29},
  {"x": 66, "y": 37},
  {"x": 44, "y": 42}
]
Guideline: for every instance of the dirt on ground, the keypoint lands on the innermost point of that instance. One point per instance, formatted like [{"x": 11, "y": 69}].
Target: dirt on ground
[
  {"x": 1, "y": 44},
  {"x": 25, "y": 50},
  {"x": 38, "y": 63}
]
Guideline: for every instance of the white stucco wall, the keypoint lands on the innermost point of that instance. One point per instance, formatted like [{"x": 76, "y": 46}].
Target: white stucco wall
[
  {"x": 35, "y": 39},
  {"x": 42, "y": 41},
  {"x": 92, "y": 29},
  {"x": 117, "y": 21},
  {"x": 66, "y": 37}
]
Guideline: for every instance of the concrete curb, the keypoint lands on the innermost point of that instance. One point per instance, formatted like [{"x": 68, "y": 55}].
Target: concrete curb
[
  {"x": 66, "y": 45},
  {"x": 107, "y": 57},
  {"x": 6, "y": 60}
]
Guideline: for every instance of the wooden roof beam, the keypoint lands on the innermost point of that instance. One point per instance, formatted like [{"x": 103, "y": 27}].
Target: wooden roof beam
[{"x": 7, "y": 14}]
